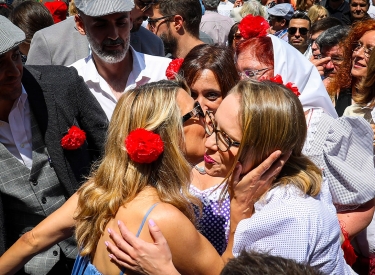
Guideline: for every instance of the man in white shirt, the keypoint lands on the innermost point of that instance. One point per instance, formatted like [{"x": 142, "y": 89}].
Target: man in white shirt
[
  {"x": 299, "y": 33},
  {"x": 113, "y": 67}
]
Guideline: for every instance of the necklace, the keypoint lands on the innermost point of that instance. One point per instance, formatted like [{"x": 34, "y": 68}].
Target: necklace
[{"x": 200, "y": 170}]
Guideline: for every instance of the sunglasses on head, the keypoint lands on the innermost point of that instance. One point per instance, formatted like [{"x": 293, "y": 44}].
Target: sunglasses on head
[{"x": 293, "y": 30}]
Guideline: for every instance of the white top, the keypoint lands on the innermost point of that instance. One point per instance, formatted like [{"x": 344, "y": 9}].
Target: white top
[
  {"x": 293, "y": 225},
  {"x": 16, "y": 135},
  {"x": 146, "y": 68},
  {"x": 224, "y": 8}
]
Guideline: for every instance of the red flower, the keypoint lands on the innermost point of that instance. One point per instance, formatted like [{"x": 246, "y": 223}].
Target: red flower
[
  {"x": 293, "y": 88},
  {"x": 277, "y": 79},
  {"x": 143, "y": 146},
  {"x": 253, "y": 26},
  {"x": 73, "y": 139},
  {"x": 173, "y": 68}
]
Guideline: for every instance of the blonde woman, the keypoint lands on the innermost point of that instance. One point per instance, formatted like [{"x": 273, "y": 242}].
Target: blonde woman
[
  {"x": 316, "y": 13},
  {"x": 131, "y": 187},
  {"x": 304, "y": 5},
  {"x": 292, "y": 217}
]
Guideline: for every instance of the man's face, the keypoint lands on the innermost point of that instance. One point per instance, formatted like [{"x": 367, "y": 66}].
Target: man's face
[
  {"x": 140, "y": 12},
  {"x": 10, "y": 75},
  {"x": 299, "y": 33},
  {"x": 314, "y": 47},
  {"x": 108, "y": 35},
  {"x": 358, "y": 8},
  {"x": 160, "y": 25},
  {"x": 335, "y": 53},
  {"x": 276, "y": 24}
]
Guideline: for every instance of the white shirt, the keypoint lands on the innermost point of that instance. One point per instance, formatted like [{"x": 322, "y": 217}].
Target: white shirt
[
  {"x": 16, "y": 135},
  {"x": 293, "y": 225},
  {"x": 224, "y": 8},
  {"x": 308, "y": 52},
  {"x": 146, "y": 68}
]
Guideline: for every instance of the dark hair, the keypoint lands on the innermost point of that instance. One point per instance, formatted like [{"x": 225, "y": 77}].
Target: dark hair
[
  {"x": 367, "y": 2},
  {"x": 31, "y": 16},
  {"x": 261, "y": 45},
  {"x": 325, "y": 24},
  {"x": 301, "y": 15},
  {"x": 231, "y": 34},
  {"x": 190, "y": 10},
  {"x": 218, "y": 59},
  {"x": 211, "y": 4},
  {"x": 332, "y": 37},
  {"x": 254, "y": 263},
  {"x": 280, "y": 18}
]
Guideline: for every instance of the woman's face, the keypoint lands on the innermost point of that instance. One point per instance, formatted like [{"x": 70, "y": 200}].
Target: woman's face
[
  {"x": 249, "y": 67},
  {"x": 206, "y": 91},
  {"x": 195, "y": 135},
  {"x": 218, "y": 163},
  {"x": 361, "y": 54},
  {"x": 322, "y": 15}
]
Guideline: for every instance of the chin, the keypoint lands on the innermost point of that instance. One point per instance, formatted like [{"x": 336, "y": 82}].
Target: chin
[{"x": 214, "y": 171}]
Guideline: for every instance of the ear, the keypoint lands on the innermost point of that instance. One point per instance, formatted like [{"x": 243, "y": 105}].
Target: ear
[
  {"x": 178, "y": 22},
  {"x": 283, "y": 22},
  {"x": 79, "y": 24}
]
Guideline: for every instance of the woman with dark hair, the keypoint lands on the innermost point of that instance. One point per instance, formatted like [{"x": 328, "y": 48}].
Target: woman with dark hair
[
  {"x": 234, "y": 37},
  {"x": 30, "y": 16},
  {"x": 357, "y": 48},
  {"x": 210, "y": 73}
]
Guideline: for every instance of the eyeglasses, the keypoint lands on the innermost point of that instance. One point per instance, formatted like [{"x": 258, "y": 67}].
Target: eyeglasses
[
  {"x": 367, "y": 51},
  {"x": 293, "y": 30},
  {"x": 152, "y": 22},
  {"x": 197, "y": 111},
  {"x": 336, "y": 61},
  {"x": 252, "y": 73},
  {"x": 237, "y": 37},
  {"x": 143, "y": 6},
  {"x": 223, "y": 141}
]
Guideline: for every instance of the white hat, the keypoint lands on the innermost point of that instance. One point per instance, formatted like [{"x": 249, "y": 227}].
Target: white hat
[
  {"x": 10, "y": 35},
  {"x": 97, "y": 8}
]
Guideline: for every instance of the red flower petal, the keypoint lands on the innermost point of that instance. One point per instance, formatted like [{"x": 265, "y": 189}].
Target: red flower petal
[
  {"x": 293, "y": 88},
  {"x": 173, "y": 68},
  {"x": 143, "y": 146},
  {"x": 277, "y": 79},
  {"x": 73, "y": 139},
  {"x": 253, "y": 26}
]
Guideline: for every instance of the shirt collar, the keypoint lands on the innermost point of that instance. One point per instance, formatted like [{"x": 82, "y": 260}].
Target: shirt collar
[{"x": 23, "y": 98}]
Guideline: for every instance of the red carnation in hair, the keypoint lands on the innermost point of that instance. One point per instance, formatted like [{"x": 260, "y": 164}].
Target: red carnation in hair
[
  {"x": 143, "y": 146},
  {"x": 173, "y": 68},
  {"x": 278, "y": 79},
  {"x": 253, "y": 26},
  {"x": 73, "y": 139}
]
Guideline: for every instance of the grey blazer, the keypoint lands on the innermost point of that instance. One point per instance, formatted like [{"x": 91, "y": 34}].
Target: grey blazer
[
  {"x": 59, "y": 98},
  {"x": 62, "y": 44}
]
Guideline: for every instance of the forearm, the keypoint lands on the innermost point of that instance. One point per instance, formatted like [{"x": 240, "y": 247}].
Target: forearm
[{"x": 356, "y": 220}]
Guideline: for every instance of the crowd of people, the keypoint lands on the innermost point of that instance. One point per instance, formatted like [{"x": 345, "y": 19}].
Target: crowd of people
[{"x": 241, "y": 132}]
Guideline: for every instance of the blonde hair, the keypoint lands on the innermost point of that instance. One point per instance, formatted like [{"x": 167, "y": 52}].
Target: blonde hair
[
  {"x": 72, "y": 8},
  {"x": 315, "y": 12},
  {"x": 118, "y": 180},
  {"x": 272, "y": 118}
]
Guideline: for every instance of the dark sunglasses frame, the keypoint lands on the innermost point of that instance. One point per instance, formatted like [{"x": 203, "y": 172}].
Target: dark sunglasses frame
[
  {"x": 302, "y": 31},
  {"x": 197, "y": 110},
  {"x": 152, "y": 22}
]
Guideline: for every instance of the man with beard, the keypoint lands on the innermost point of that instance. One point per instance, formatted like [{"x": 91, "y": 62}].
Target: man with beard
[
  {"x": 177, "y": 22},
  {"x": 47, "y": 48},
  {"x": 114, "y": 66},
  {"x": 299, "y": 34},
  {"x": 329, "y": 45}
]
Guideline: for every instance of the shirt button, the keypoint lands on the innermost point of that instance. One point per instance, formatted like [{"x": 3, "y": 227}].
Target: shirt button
[
  {"x": 44, "y": 200},
  {"x": 22, "y": 145},
  {"x": 55, "y": 253}
]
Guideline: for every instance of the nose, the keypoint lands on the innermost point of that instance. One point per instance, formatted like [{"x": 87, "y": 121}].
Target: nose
[
  {"x": 330, "y": 65},
  {"x": 113, "y": 33},
  {"x": 297, "y": 33},
  {"x": 211, "y": 142}
]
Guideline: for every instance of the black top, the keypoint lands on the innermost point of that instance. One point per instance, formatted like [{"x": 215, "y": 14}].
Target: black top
[
  {"x": 342, "y": 13},
  {"x": 343, "y": 100}
]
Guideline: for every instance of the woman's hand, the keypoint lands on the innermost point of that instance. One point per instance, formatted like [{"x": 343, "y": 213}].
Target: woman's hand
[
  {"x": 245, "y": 191},
  {"x": 135, "y": 254}
]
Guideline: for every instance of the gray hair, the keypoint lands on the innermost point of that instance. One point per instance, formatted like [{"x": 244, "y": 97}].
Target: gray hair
[
  {"x": 332, "y": 36},
  {"x": 211, "y": 4},
  {"x": 253, "y": 7}
]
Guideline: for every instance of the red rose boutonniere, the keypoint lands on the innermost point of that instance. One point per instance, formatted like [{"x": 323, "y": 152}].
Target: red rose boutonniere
[
  {"x": 173, "y": 68},
  {"x": 143, "y": 146},
  {"x": 73, "y": 139}
]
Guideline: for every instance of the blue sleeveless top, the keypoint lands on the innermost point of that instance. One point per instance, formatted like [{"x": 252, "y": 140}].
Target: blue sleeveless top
[{"x": 83, "y": 265}]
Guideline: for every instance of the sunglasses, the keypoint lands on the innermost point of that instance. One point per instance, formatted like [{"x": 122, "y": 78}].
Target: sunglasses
[
  {"x": 293, "y": 30},
  {"x": 197, "y": 111}
]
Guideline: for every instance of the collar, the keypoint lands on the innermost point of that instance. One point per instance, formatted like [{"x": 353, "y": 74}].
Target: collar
[{"x": 22, "y": 99}]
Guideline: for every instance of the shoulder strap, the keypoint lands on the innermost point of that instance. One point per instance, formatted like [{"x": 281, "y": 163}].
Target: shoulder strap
[{"x": 141, "y": 226}]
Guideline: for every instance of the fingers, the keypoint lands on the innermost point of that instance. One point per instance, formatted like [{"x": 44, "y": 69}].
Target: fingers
[
  {"x": 320, "y": 62},
  {"x": 267, "y": 163},
  {"x": 276, "y": 167},
  {"x": 155, "y": 232},
  {"x": 119, "y": 256}
]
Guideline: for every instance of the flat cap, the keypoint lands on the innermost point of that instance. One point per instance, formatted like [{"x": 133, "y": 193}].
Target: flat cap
[
  {"x": 10, "y": 35},
  {"x": 97, "y": 8},
  {"x": 284, "y": 10}
]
